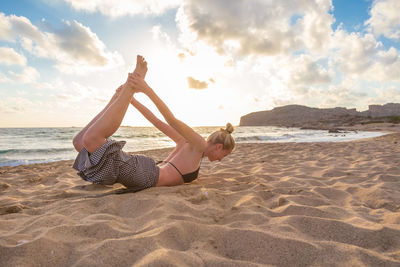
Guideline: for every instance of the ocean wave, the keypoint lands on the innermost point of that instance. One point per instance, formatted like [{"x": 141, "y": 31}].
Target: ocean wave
[
  {"x": 15, "y": 162},
  {"x": 261, "y": 138},
  {"x": 137, "y": 136},
  {"x": 35, "y": 151}
]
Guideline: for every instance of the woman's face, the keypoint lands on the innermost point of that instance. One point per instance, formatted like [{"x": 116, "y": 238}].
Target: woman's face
[{"x": 218, "y": 153}]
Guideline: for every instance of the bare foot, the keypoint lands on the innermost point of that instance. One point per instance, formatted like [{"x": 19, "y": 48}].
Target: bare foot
[{"x": 141, "y": 66}]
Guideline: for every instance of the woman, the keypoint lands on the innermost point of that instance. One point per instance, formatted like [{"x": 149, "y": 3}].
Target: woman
[{"x": 101, "y": 159}]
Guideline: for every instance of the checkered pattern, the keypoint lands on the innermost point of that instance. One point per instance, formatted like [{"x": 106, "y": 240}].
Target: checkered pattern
[{"x": 109, "y": 165}]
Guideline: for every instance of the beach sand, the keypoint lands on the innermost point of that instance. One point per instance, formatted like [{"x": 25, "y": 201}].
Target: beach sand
[{"x": 292, "y": 204}]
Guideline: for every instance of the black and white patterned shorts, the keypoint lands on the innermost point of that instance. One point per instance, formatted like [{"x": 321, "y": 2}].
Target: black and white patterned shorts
[{"x": 109, "y": 165}]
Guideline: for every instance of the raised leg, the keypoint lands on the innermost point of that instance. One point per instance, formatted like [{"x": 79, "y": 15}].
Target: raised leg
[
  {"x": 141, "y": 69},
  {"x": 109, "y": 121},
  {"x": 78, "y": 139}
]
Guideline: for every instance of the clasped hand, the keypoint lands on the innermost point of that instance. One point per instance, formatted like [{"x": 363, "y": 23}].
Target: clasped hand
[{"x": 136, "y": 82}]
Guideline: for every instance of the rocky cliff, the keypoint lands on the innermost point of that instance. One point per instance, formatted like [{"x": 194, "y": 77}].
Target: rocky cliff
[{"x": 302, "y": 116}]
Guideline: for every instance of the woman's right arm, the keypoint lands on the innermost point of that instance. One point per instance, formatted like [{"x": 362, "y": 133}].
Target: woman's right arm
[{"x": 187, "y": 132}]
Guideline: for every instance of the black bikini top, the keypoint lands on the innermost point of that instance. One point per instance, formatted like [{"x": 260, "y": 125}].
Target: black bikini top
[{"x": 189, "y": 177}]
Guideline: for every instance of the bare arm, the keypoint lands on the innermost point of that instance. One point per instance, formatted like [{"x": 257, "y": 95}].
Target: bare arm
[
  {"x": 184, "y": 130},
  {"x": 160, "y": 125}
]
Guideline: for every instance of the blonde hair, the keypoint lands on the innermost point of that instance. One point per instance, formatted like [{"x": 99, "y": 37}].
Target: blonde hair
[{"x": 224, "y": 137}]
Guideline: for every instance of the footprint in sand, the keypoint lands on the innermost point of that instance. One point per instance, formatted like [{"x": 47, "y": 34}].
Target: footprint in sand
[
  {"x": 281, "y": 201},
  {"x": 199, "y": 198}
]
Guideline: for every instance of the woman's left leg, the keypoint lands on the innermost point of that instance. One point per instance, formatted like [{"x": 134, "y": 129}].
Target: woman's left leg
[{"x": 78, "y": 139}]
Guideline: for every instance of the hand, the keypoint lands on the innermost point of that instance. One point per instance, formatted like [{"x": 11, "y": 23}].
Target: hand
[
  {"x": 126, "y": 84},
  {"x": 133, "y": 100},
  {"x": 136, "y": 82}
]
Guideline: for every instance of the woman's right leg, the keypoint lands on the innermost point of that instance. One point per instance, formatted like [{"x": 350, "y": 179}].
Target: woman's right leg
[
  {"x": 108, "y": 123},
  {"x": 141, "y": 69}
]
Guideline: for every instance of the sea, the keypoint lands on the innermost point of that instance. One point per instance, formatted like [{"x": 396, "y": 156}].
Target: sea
[{"x": 38, "y": 145}]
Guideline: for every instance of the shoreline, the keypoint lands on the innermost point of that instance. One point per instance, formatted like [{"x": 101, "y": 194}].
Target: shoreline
[
  {"x": 305, "y": 203},
  {"x": 379, "y": 127},
  {"x": 382, "y": 129}
]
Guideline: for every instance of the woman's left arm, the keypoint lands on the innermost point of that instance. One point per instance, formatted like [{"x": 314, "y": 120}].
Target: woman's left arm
[
  {"x": 184, "y": 130},
  {"x": 160, "y": 125}
]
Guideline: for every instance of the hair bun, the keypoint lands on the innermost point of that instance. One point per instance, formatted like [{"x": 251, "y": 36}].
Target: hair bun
[{"x": 229, "y": 128}]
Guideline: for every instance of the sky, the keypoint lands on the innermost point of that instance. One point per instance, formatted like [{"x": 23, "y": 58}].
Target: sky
[{"x": 211, "y": 61}]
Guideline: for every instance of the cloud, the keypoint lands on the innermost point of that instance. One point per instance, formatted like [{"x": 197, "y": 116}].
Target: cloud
[
  {"x": 117, "y": 8},
  {"x": 82, "y": 50},
  {"x": 385, "y": 19},
  {"x": 365, "y": 57},
  {"x": 196, "y": 84},
  {"x": 9, "y": 56},
  {"x": 5, "y": 28},
  {"x": 284, "y": 52},
  {"x": 259, "y": 28},
  {"x": 4, "y": 78},
  {"x": 182, "y": 56},
  {"x": 15, "y": 105},
  {"x": 159, "y": 35},
  {"x": 306, "y": 71},
  {"x": 74, "y": 47},
  {"x": 73, "y": 93},
  {"x": 386, "y": 68},
  {"x": 28, "y": 75},
  {"x": 356, "y": 52}
]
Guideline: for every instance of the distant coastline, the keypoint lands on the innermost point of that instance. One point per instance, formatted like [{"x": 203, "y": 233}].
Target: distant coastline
[{"x": 326, "y": 119}]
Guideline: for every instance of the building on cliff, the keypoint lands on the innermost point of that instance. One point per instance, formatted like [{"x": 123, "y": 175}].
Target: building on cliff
[{"x": 390, "y": 109}]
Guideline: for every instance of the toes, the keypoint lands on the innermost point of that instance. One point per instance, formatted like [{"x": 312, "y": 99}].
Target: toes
[{"x": 141, "y": 61}]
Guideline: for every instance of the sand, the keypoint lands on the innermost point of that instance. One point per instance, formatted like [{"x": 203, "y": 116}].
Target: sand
[{"x": 293, "y": 204}]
